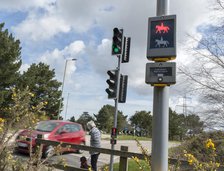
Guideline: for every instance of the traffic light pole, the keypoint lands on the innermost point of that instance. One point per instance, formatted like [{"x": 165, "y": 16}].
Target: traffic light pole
[
  {"x": 160, "y": 125},
  {"x": 116, "y": 110}
]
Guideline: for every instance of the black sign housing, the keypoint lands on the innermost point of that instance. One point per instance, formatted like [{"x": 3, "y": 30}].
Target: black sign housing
[
  {"x": 160, "y": 73},
  {"x": 162, "y": 38}
]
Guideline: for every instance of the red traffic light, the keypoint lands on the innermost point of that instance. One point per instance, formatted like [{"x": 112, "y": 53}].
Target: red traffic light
[{"x": 114, "y": 132}]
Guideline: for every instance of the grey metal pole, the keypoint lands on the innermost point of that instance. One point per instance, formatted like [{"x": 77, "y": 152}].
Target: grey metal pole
[
  {"x": 162, "y": 7},
  {"x": 63, "y": 82},
  {"x": 116, "y": 110},
  {"x": 66, "y": 109},
  {"x": 160, "y": 129},
  {"x": 62, "y": 88},
  {"x": 160, "y": 125}
]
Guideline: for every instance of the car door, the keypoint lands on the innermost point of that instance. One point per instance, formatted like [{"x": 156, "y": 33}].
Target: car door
[
  {"x": 63, "y": 134},
  {"x": 76, "y": 136}
]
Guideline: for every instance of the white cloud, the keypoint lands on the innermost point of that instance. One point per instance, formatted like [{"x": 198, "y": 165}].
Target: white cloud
[
  {"x": 49, "y": 18},
  {"x": 24, "y": 67},
  {"x": 82, "y": 15},
  {"x": 21, "y": 5},
  {"x": 57, "y": 58},
  {"x": 74, "y": 48},
  {"x": 43, "y": 28}
]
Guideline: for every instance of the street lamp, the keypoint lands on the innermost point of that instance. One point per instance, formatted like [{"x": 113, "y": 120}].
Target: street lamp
[{"x": 63, "y": 82}]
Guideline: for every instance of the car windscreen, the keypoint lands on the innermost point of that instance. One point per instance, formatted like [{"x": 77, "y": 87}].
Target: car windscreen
[{"x": 46, "y": 126}]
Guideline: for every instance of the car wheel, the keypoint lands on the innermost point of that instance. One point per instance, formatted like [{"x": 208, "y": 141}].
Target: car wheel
[
  {"x": 15, "y": 150},
  {"x": 81, "y": 151},
  {"x": 49, "y": 152}
]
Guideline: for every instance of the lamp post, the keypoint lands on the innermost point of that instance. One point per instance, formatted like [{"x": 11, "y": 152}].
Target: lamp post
[
  {"x": 63, "y": 82},
  {"x": 66, "y": 106}
]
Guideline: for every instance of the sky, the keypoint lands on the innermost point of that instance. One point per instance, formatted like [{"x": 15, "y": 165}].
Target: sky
[{"x": 53, "y": 31}]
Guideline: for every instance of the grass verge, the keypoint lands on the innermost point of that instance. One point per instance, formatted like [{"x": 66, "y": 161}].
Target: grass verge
[
  {"x": 133, "y": 166},
  {"x": 129, "y": 137}
]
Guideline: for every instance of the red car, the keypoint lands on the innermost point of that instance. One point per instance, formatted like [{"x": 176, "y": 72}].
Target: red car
[{"x": 55, "y": 130}]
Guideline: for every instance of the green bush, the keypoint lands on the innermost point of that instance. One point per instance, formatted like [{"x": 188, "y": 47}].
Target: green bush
[{"x": 196, "y": 146}]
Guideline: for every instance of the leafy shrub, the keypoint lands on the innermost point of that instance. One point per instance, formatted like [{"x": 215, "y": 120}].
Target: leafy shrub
[
  {"x": 196, "y": 146},
  {"x": 20, "y": 115}
]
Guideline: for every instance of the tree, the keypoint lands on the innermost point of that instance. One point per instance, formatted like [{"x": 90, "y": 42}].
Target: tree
[
  {"x": 121, "y": 121},
  {"x": 41, "y": 81},
  {"x": 105, "y": 118},
  {"x": 194, "y": 124},
  {"x": 84, "y": 118},
  {"x": 142, "y": 120},
  {"x": 10, "y": 63},
  {"x": 207, "y": 74},
  {"x": 177, "y": 126},
  {"x": 72, "y": 119}
]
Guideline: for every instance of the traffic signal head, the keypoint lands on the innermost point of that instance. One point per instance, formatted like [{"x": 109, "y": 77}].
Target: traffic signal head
[
  {"x": 117, "y": 41},
  {"x": 112, "y": 82},
  {"x": 114, "y": 132},
  {"x": 162, "y": 38}
]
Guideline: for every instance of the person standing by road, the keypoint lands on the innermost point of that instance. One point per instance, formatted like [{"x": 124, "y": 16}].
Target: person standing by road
[{"x": 95, "y": 141}]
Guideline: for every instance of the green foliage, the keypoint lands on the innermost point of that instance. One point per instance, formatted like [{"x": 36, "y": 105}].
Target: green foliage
[
  {"x": 72, "y": 119},
  {"x": 41, "y": 81},
  {"x": 10, "y": 63},
  {"x": 105, "y": 118},
  {"x": 196, "y": 146},
  {"x": 194, "y": 124},
  {"x": 129, "y": 137},
  {"x": 84, "y": 118},
  {"x": 20, "y": 112},
  {"x": 133, "y": 166},
  {"x": 180, "y": 124},
  {"x": 176, "y": 125},
  {"x": 142, "y": 120}
]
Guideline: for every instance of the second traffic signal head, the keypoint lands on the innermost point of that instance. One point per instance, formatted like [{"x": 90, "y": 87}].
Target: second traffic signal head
[
  {"x": 117, "y": 41},
  {"x": 112, "y": 82}
]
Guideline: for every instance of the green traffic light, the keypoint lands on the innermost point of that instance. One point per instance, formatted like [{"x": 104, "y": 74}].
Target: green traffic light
[{"x": 116, "y": 50}]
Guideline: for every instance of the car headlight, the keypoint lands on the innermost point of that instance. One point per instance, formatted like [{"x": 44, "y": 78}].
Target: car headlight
[{"x": 45, "y": 136}]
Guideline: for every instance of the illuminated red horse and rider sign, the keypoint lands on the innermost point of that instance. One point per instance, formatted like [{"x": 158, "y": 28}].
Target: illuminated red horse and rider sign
[
  {"x": 161, "y": 37},
  {"x": 160, "y": 28}
]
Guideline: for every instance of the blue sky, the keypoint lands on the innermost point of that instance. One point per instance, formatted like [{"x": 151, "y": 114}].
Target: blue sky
[{"x": 52, "y": 31}]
